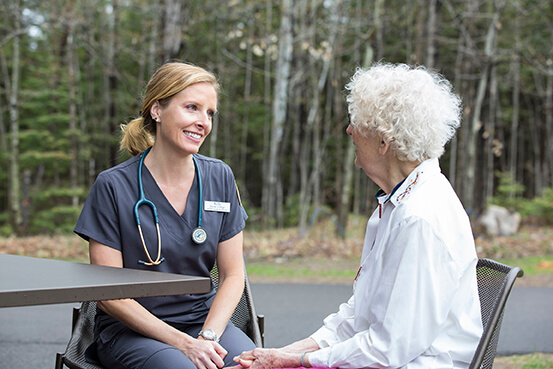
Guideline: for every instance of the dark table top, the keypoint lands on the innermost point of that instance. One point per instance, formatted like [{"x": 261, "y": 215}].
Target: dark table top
[{"x": 34, "y": 281}]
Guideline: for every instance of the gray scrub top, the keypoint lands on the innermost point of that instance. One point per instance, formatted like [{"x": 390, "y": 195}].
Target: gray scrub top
[{"x": 108, "y": 218}]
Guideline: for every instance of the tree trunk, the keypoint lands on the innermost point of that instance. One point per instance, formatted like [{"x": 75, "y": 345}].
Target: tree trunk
[
  {"x": 246, "y": 111},
  {"x": 488, "y": 171},
  {"x": 304, "y": 132},
  {"x": 111, "y": 86},
  {"x": 172, "y": 29},
  {"x": 420, "y": 6},
  {"x": 271, "y": 207},
  {"x": 13, "y": 99},
  {"x": 153, "y": 51},
  {"x": 548, "y": 162},
  {"x": 72, "y": 109},
  {"x": 312, "y": 188},
  {"x": 379, "y": 28},
  {"x": 431, "y": 34},
  {"x": 344, "y": 177},
  {"x": 489, "y": 55},
  {"x": 267, "y": 98},
  {"x": 548, "y": 141},
  {"x": 515, "y": 68}
]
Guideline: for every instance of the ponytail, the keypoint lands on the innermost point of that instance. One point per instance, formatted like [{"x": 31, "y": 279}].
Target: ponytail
[{"x": 136, "y": 137}]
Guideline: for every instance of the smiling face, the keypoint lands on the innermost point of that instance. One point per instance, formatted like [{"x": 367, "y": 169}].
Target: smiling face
[{"x": 185, "y": 121}]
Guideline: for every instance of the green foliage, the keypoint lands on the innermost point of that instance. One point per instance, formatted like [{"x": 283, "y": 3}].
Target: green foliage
[
  {"x": 539, "y": 209},
  {"x": 5, "y": 226},
  {"x": 55, "y": 220},
  {"x": 508, "y": 192},
  {"x": 292, "y": 211}
]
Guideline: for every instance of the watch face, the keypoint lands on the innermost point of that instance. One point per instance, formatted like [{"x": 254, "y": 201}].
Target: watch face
[{"x": 209, "y": 334}]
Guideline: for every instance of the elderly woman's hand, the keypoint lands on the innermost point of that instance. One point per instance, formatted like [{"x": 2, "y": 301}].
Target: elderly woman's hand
[{"x": 267, "y": 359}]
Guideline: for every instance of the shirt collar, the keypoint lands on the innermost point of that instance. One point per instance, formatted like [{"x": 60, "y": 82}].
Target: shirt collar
[
  {"x": 381, "y": 194},
  {"x": 403, "y": 189}
]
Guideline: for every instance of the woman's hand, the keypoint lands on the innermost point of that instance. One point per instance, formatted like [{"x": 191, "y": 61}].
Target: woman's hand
[
  {"x": 286, "y": 357},
  {"x": 257, "y": 359},
  {"x": 205, "y": 354},
  {"x": 268, "y": 358}
]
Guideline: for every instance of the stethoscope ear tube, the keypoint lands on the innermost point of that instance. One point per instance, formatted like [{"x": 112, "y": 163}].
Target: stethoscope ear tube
[
  {"x": 142, "y": 200},
  {"x": 158, "y": 259}
]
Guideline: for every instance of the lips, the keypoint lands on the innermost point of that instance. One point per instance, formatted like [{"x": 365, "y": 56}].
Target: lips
[{"x": 193, "y": 135}]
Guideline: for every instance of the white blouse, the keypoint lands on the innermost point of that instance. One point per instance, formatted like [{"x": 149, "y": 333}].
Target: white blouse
[{"x": 415, "y": 299}]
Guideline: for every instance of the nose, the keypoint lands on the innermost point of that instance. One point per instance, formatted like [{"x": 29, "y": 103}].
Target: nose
[
  {"x": 204, "y": 119},
  {"x": 349, "y": 129}
]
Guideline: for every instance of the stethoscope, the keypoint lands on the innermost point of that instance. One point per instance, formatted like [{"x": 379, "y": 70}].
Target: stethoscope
[{"x": 199, "y": 235}]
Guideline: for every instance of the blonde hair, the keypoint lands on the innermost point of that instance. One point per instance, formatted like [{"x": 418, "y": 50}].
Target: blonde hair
[
  {"x": 170, "y": 79},
  {"x": 412, "y": 108}
]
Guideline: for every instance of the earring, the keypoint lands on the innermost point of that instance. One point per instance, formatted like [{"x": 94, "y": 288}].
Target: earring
[{"x": 156, "y": 119}]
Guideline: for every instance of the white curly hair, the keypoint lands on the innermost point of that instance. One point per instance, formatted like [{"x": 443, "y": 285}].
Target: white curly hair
[{"x": 412, "y": 108}]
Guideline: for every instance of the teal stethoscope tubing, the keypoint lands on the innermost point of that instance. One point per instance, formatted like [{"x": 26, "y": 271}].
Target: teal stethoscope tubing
[{"x": 199, "y": 234}]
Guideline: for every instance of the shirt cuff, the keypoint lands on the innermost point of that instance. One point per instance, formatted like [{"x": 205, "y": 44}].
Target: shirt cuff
[
  {"x": 324, "y": 337},
  {"x": 320, "y": 358}
]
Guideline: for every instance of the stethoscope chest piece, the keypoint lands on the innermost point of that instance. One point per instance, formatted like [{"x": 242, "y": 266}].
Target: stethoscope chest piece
[{"x": 199, "y": 235}]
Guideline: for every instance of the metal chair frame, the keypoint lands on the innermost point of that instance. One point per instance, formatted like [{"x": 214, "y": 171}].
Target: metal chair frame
[
  {"x": 495, "y": 281},
  {"x": 244, "y": 317}
]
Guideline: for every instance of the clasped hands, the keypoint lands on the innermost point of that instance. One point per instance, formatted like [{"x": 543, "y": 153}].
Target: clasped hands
[{"x": 260, "y": 358}]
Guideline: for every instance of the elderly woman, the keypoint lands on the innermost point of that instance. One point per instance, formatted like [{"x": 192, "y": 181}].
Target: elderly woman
[{"x": 415, "y": 300}]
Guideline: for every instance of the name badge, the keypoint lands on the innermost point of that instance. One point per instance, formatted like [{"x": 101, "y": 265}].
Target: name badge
[{"x": 221, "y": 207}]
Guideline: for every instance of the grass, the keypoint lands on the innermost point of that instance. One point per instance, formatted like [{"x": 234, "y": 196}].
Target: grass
[
  {"x": 304, "y": 270},
  {"x": 533, "y": 265},
  {"x": 343, "y": 271},
  {"x": 530, "y": 361}
]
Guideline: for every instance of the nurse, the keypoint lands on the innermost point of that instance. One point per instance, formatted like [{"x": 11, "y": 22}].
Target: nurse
[{"x": 191, "y": 194}]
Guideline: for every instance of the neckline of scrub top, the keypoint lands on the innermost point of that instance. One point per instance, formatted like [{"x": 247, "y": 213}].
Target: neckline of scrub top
[{"x": 190, "y": 215}]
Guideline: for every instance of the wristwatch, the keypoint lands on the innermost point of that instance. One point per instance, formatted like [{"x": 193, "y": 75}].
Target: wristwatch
[{"x": 208, "y": 334}]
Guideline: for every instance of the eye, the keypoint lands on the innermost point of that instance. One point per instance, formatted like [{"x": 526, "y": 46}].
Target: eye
[
  {"x": 211, "y": 113},
  {"x": 192, "y": 107}
]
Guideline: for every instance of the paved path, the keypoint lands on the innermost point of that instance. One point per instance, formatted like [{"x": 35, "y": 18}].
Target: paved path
[
  {"x": 295, "y": 311},
  {"x": 30, "y": 336}
]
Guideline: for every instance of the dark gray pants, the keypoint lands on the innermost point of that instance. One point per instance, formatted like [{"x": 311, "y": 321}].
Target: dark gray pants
[{"x": 127, "y": 349}]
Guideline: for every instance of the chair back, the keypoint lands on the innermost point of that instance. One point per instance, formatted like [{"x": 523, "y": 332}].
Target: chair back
[
  {"x": 244, "y": 317},
  {"x": 81, "y": 337},
  {"x": 495, "y": 281}
]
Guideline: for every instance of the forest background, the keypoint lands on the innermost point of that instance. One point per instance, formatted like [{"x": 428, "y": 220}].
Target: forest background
[{"x": 71, "y": 71}]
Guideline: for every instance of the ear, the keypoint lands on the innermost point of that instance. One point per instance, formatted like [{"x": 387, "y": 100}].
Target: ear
[
  {"x": 155, "y": 110},
  {"x": 384, "y": 147}
]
